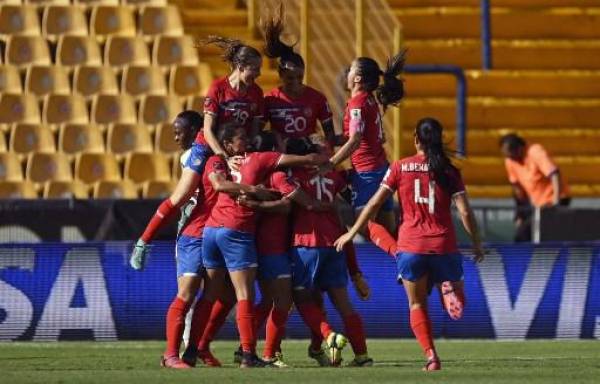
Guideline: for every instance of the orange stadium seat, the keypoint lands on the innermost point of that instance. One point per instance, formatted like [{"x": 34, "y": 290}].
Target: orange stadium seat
[
  {"x": 10, "y": 80},
  {"x": 19, "y": 20},
  {"x": 159, "y": 109},
  {"x": 28, "y": 138},
  {"x": 140, "y": 81},
  {"x": 16, "y": 108},
  {"x": 92, "y": 80},
  {"x": 145, "y": 2},
  {"x": 60, "y": 109},
  {"x": 196, "y": 103},
  {"x": 41, "y": 3},
  {"x": 65, "y": 190},
  {"x": 58, "y": 20},
  {"x": 160, "y": 21},
  {"x": 3, "y": 146},
  {"x": 164, "y": 141},
  {"x": 121, "y": 51},
  {"x": 93, "y": 167},
  {"x": 44, "y": 80},
  {"x": 176, "y": 166},
  {"x": 110, "y": 20},
  {"x": 114, "y": 109},
  {"x": 93, "y": 3},
  {"x": 17, "y": 190},
  {"x": 78, "y": 50},
  {"x": 122, "y": 189},
  {"x": 43, "y": 167},
  {"x": 142, "y": 167},
  {"x": 172, "y": 50},
  {"x": 190, "y": 80},
  {"x": 125, "y": 138},
  {"x": 10, "y": 167},
  {"x": 24, "y": 51},
  {"x": 79, "y": 138},
  {"x": 158, "y": 189}
]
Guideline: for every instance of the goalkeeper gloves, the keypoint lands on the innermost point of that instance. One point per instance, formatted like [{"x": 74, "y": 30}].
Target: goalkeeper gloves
[
  {"x": 361, "y": 286},
  {"x": 139, "y": 255}
]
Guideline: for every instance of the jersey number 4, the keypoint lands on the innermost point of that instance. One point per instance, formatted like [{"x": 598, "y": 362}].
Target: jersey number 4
[{"x": 430, "y": 200}]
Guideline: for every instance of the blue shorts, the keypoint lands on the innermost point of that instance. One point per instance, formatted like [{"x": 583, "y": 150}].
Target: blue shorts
[
  {"x": 364, "y": 186},
  {"x": 318, "y": 267},
  {"x": 196, "y": 161},
  {"x": 412, "y": 266},
  {"x": 272, "y": 267},
  {"x": 188, "y": 255},
  {"x": 228, "y": 248}
]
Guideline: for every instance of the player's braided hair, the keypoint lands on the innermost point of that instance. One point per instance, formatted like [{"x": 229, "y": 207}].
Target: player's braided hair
[
  {"x": 391, "y": 91},
  {"x": 429, "y": 134},
  {"x": 235, "y": 52},
  {"x": 274, "y": 48}
]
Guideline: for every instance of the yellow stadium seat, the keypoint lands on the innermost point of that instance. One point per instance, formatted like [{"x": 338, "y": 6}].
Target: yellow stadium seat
[
  {"x": 44, "y": 80},
  {"x": 24, "y": 51},
  {"x": 110, "y": 20},
  {"x": 196, "y": 103},
  {"x": 92, "y": 3},
  {"x": 43, "y": 167},
  {"x": 121, "y": 51},
  {"x": 109, "y": 109},
  {"x": 79, "y": 138},
  {"x": 3, "y": 146},
  {"x": 65, "y": 190},
  {"x": 159, "y": 109},
  {"x": 10, "y": 167},
  {"x": 58, "y": 20},
  {"x": 139, "y": 81},
  {"x": 158, "y": 189},
  {"x": 19, "y": 108},
  {"x": 176, "y": 166},
  {"x": 93, "y": 167},
  {"x": 190, "y": 80},
  {"x": 17, "y": 190},
  {"x": 173, "y": 50},
  {"x": 125, "y": 138},
  {"x": 142, "y": 167},
  {"x": 10, "y": 80},
  {"x": 124, "y": 189},
  {"x": 164, "y": 141},
  {"x": 28, "y": 138},
  {"x": 61, "y": 109},
  {"x": 145, "y": 2},
  {"x": 47, "y": 2},
  {"x": 19, "y": 20},
  {"x": 160, "y": 21},
  {"x": 92, "y": 80},
  {"x": 78, "y": 50}
]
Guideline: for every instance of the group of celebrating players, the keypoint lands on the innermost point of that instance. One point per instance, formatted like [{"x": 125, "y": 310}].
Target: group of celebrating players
[{"x": 261, "y": 206}]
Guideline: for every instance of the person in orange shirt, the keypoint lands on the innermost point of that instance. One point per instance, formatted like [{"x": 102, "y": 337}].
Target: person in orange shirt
[{"x": 535, "y": 178}]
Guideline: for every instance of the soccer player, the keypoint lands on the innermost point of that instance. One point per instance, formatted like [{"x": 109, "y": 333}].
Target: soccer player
[
  {"x": 229, "y": 241},
  {"x": 363, "y": 126},
  {"x": 427, "y": 253}
]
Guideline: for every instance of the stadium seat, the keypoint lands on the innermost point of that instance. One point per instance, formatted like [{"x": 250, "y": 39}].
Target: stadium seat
[
  {"x": 44, "y": 80},
  {"x": 146, "y": 2},
  {"x": 159, "y": 109},
  {"x": 60, "y": 109},
  {"x": 190, "y": 80},
  {"x": 109, "y": 109},
  {"x": 3, "y": 146},
  {"x": 140, "y": 81},
  {"x": 170, "y": 50},
  {"x": 93, "y": 167},
  {"x": 19, "y": 108},
  {"x": 124, "y": 189},
  {"x": 24, "y": 51},
  {"x": 93, "y": 3},
  {"x": 78, "y": 50},
  {"x": 164, "y": 141},
  {"x": 196, "y": 103},
  {"x": 158, "y": 189},
  {"x": 10, "y": 80},
  {"x": 17, "y": 190},
  {"x": 92, "y": 80},
  {"x": 78, "y": 138},
  {"x": 142, "y": 167},
  {"x": 176, "y": 166},
  {"x": 160, "y": 21},
  {"x": 58, "y": 20},
  {"x": 65, "y": 190},
  {"x": 10, "y": 167},
  {"x": 41, "y": 3},
  {"x": 110, "y": 20},
  {"x": 28, "y": 138},
  {"x": 125, "y": 138},
  {"x": 122, "y": 51},
  {"x": 19, "y": 20},
  {"x": 43, "y": 167}
]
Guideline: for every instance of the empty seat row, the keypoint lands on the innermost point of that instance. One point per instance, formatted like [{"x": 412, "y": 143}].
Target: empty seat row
[{"x": 87, "y": 3}]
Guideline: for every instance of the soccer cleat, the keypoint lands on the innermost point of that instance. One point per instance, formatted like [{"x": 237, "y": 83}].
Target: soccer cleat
[
  {"x": 433, "y": 364},
  {"x": 276, "y": 361},
  {"x": 320, "y": 356},
  {"x": 451, "y": 300},
  {"x": 208, "y": 359},
  {"x": 335, "y": 343},
  {"x": 139, "y": 255},
  {"x": 237, "y": 356},
  {"x": 250, "y": 360},
  {"x": 189, "y": 356},
  {"x": 173, "y": 362},
  {"x": 361, "y": 361}
]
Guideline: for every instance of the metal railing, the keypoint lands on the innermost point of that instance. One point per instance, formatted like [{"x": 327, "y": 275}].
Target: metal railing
[{"x": 486, "y": 35}]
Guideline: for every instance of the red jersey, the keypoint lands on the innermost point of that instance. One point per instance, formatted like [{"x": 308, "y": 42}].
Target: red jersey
[
  {"x": 362, "y": 115},
  {"x": 317, "y": 229},
  {"x": 296, "y": 117},
  {"x": 273, "y": 232},
  {"x": 426, "y": 217},
  {"x": 207, "y": 198},
  {"x": 228, "y": 104},
  {"x": 254, "y": 170}
]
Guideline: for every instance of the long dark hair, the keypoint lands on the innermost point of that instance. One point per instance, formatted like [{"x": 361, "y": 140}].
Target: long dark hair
[
  {"x": 273, "y": 26},
  {"x": 235, "y": 52},
  {"x": 429, "y": 134},
  {"x": 391, "y": 91},
  {"x": 227, "y": 131}
]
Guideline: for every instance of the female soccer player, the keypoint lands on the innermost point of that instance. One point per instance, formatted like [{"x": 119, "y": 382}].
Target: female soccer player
[
  {"x": 427, "y": 184},
  {"x": 363, "y": 126},
  {"x": 229, "y": 241}
]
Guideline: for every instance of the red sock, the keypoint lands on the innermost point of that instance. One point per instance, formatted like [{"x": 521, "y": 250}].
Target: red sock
[
  {"x": 166, "y": 210},
  {"x": 382, "y": 238},
  {"x": 315, "y": 319},
  {"x": 245, "y": 323},
  {"x": 351, "y": 262},
  {"x": 175, "y": 325},
  {"x": 275, "y": 331},
  {"x": 218, "y": 315},
  {"x": 421, "y": 327},
  {"x": 356, "y": 333},
  {"x": 202, "y": 312},
  {"x": 261, "y": 312}
]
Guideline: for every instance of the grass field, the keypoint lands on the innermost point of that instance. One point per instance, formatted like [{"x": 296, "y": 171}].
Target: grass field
[{"x": 397, "y": 361}]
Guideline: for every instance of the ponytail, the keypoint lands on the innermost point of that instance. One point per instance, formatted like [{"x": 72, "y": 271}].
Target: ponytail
[
  {"x": 429, "y": 135},
  {"x": 274, "y": 48},
  {"x": 392, "y": 89},
  {"x": 235, "y": 52}
]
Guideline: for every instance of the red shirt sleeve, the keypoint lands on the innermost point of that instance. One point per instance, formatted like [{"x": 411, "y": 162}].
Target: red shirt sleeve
[
  {"x": 391, "y": 180},
  {"x": 456, "y": 182},
  {"x": 324, "y": 113},
  {"x": 283, "y": 183},
  {"x": 270, "y": 160},
  {"x": 357, "y": 117},
  {"x": 211, "y": 102},
  {"x": 216, "y": 165}
]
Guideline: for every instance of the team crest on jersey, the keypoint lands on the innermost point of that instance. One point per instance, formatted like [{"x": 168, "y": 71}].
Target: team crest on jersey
[
  {"x": 307, "y": 112},
  {"x": 355, "y": 113}
]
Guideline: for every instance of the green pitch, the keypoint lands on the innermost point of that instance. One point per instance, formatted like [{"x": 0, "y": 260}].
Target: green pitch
[{"x": 397, "y": 361}]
